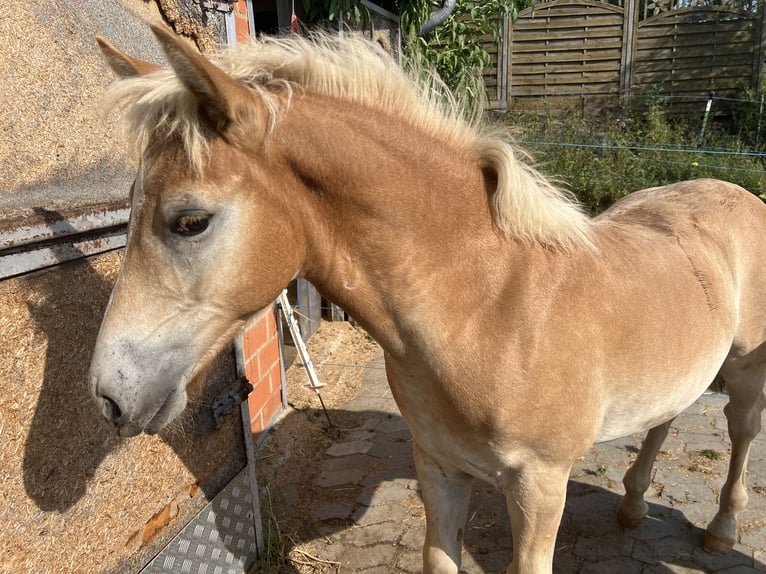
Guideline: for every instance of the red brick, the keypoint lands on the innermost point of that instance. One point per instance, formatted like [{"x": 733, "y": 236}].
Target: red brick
[
  {"x": 240, "y": 21},
  {"x": 272, "y": 407},
  {"x": 252, "y": 372},
  {"x": 268, "y": 357},
  {"x": 272, "y": 323},
  {"x": 259, "y": 395},
  {"x": 255, "y": 336},
  {"x": 256, "y": 424}
]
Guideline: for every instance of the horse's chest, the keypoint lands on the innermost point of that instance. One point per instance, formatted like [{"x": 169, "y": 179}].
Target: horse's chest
[{"x": 447, "y": 422}]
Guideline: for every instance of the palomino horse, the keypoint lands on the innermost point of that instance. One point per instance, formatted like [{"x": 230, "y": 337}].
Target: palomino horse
[{"x": 516, "y": 330}]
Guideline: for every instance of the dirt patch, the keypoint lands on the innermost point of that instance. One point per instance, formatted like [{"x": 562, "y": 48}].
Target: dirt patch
[
  {"x": 710, "y": 462},
  {"x": 292, "y": 452},
  {"x": 339, "y": 352}
]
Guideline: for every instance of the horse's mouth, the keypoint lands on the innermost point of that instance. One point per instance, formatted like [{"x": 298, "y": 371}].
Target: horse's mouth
[{"x": 167, "y": 412}]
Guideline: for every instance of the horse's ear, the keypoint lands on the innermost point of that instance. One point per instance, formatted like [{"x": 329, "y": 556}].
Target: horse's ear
[
  {"x": 228, "y": 104},
  {"x": 123, "y": 65}
]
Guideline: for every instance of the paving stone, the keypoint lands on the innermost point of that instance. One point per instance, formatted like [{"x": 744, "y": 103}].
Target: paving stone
[
  {"x": 565, "y": 563},
  {"x": 602, "y": 548},
  {"x": 388, "y": 474},
  {"x": 351, "y": 447},
  {"x": 333, "y": 511},
  {"x": 695, "y": 422},
  {"x": 654, "y": 528},
  {"x": 364, "y": 516},
  {"x": 410, "y": 561},
  {"x": 739, "y": 570},
  {"x": 361, "y": 434},
  {"x": 718, "y": 562},
  {"x": 389, "y": 519},
  {"x": 381, "y": 533},
  {"x": 399, "y": 450},
  {"x": 673, "y": 568},
  {"x": 355, "y": 558},
  {"x": 384, "y": 494},
  {"x": 752, "y": 536},
  {"x": 338, "y": 477},
  {"x": 658, "y": 550},
  {"x": 413, "y": 535},
  {"x": 395, "y": 424},
  {"x": 480, "y": 561},
  {"x": 354, "y": 461},
  {"x": 622, "y": 565}
]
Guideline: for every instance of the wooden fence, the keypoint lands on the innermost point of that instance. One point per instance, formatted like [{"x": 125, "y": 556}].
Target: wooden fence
[{"x": 590, "y": 50}]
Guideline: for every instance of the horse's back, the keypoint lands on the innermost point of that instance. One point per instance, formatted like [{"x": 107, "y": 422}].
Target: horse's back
[{"x": 697, "y": 201}]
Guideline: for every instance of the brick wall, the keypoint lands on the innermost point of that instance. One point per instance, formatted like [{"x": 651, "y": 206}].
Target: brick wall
[
  {"x": 241, "y": 22},
  {"x": 261, "y": 361}
]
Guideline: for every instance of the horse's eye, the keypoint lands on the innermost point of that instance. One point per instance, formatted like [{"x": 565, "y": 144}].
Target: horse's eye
[{"x": 190, "y": 224}]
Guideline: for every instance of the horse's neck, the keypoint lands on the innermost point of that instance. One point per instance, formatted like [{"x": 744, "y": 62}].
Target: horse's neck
[{"x": 394, "y": 219}]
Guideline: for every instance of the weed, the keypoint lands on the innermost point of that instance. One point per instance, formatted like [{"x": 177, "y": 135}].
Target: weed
[
  {"x": 712, "y": 454},
  {"x": 601, "y": 159},
  {"x": 273, "y": 558}
]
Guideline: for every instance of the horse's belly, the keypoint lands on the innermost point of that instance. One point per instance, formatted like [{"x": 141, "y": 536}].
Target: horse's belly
[{"x": 637, "y": 412}]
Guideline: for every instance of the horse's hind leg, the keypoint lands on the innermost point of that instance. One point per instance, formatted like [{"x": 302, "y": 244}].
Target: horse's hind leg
[
  {"x": 446, "y": 495},
  {"x": 743, "y": 414},
  {"x": 633, "y": 508}
]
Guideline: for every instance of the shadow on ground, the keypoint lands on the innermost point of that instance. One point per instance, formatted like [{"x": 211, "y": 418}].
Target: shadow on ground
[{"x": 346, "y": 500}]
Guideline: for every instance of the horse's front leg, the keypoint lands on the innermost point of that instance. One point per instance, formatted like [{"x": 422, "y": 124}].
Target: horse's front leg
[
  {"x": 446, "y": 494},
  {"x": 536, "y": 495},
  {"x": 633, "y": 507}
]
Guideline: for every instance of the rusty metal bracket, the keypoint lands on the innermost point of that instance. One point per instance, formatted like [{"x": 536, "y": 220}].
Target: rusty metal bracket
[{"x": 226, "y": 402}]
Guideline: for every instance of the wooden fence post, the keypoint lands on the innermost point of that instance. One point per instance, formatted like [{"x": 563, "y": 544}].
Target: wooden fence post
[
  {"x": 309, "y": 308},
  {"x": 759, "y": 43},
  {"x": 629, "y": 29}
]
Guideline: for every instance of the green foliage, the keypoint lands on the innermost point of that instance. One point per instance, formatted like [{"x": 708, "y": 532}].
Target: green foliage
[
  {"x": 603, "y": 159},
  {"x": 746, "y": 113},
  {"x": 712, "y": 454},
  {"x": 273, "y": 558},
  {"x": 326, "y": 12},
  {"x": 455, "y": 49}
]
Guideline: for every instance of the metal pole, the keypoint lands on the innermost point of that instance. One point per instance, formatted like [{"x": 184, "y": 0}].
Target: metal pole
[
  {"x": 709, "y": 105},
  {"x": 292, "y": 324}
]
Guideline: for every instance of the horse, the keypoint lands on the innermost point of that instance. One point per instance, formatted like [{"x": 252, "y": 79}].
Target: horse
[{"x": 517, "y": 330}]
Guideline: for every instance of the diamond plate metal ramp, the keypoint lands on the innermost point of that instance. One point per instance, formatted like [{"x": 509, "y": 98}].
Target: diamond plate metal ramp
[{"x": 219, "y": 540}]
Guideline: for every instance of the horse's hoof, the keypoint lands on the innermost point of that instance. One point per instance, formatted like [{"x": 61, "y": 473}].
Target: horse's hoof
[
  {"x": 629, "y": 521},
  {"x": 715, "y": 545}
]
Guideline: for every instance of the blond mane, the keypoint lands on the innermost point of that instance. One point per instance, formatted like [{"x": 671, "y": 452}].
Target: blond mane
[{"x": 526, "y": 206}]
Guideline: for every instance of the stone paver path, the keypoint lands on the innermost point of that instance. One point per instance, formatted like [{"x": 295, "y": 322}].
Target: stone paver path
[{"x": 373, "y": 521}]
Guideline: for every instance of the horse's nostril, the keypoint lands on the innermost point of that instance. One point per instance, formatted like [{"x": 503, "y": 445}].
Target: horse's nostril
[{"x": 111, "y": 409}]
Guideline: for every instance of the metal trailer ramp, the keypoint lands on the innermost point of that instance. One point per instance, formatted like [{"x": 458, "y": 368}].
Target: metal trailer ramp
[{"x": 219, "y": 540}]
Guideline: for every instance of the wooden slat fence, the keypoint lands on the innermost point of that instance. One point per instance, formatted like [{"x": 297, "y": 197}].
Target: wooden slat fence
[
  {"x": 592, "y": 50},
  {"x": 692, "y": 51}
]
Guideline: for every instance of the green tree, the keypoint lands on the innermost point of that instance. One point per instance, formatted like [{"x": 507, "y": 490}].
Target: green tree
[{"x": 455, "y": 49}]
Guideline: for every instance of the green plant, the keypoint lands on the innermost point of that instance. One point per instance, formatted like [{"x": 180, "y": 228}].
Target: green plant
[
  {"x": 711, "y": 454},
  {"x": 329, "y": 11},
  {"x": 603, "y": 158},
  {"x": 456, "y": 49},
  {"x": 274, "y": 555}
]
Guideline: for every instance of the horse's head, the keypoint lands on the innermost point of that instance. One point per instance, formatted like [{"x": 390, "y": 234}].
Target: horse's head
[{"x": 207, "y": 218}]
